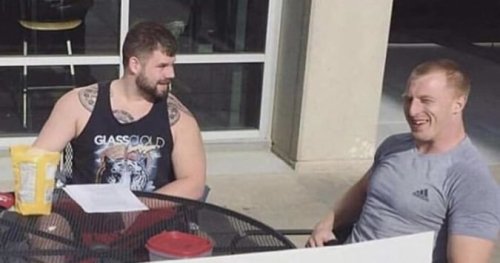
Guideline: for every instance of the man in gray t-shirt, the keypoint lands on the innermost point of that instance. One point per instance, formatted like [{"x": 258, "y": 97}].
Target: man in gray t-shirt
[
  {"x": 410, "y": 192},
  {"x": 430, "y": 179}
]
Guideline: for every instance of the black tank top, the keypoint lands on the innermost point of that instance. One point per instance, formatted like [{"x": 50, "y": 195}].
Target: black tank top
[{"x": 137, "y": 154}]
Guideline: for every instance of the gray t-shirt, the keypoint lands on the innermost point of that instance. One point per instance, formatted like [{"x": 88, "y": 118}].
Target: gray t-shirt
[{"x": 410, "y": 192}]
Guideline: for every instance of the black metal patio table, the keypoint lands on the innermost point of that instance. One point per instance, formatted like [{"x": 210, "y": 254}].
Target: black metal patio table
[{"x": 71, "y": 235}]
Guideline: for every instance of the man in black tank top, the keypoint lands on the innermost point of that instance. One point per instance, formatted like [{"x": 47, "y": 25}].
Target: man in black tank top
[{"x": 132, "y": 130}]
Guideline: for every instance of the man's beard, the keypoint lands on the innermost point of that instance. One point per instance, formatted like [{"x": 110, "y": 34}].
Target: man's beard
[{"x": 150, "y": 90}]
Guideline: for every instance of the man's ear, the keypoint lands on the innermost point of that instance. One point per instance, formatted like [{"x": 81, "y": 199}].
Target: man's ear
[
  {"x": 459, "y": 104},
  {"x": 134, "y": 65}
]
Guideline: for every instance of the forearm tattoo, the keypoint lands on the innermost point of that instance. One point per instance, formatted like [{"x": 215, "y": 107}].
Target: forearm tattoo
[
  {"x": 123, "y": 117},
  {"x": 87, "y": 97},
  {"x": 174, "y": 108}
]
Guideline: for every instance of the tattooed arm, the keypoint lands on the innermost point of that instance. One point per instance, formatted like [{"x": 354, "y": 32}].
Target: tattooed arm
[
  {"x": 175, "y": 108},
  {"x": 65, "y": 119},
  {"x": 188, "y": 155}
]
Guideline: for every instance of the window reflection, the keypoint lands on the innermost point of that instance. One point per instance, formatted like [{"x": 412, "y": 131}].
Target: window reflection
[
  {"x": 40, "y": 101},
  {"x": 221, "y": 96},
  {"x": 208, "y": 26},
  {"x": 44, "y": 26}
]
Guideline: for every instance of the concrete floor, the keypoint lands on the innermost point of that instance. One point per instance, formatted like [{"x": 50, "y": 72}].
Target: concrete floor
[{"x": 281, "y": 200}]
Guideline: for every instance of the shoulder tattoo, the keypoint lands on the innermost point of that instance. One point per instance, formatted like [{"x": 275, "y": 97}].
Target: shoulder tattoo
[
  {"x": 174, "y": 109},
  {"x": 87, "y": 97}
]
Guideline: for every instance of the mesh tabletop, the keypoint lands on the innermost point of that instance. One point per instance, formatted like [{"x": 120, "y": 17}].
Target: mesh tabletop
[{"x": 69, "y": 234}]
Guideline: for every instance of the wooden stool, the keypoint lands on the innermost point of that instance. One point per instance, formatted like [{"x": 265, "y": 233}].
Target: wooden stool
[{"x": 45, "y": 26}]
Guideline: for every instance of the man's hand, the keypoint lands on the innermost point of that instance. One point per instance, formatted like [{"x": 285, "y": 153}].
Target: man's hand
[
  {"x": 345, "y": 213},
  {"x": 323, "y": 232}
]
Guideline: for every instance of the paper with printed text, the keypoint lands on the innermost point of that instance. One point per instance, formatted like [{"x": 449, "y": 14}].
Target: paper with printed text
[{"x": 104, "y": 198}]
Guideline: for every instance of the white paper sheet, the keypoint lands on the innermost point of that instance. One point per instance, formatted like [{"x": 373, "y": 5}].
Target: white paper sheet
[
  {"x": 104, "y": 198},
  {"x": 416, "y": 248}
]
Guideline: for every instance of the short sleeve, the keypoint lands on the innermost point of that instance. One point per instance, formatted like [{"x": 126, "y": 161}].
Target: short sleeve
[{"x": 474, "y": 202}]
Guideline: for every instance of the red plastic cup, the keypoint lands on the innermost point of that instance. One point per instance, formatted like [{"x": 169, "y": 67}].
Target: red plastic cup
[
  {"x": 6, "y": 200},
  {"x": 175, "y": 245}
]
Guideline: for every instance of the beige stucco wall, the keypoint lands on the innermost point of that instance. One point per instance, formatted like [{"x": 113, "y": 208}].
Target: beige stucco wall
[{"x": 344, "y": 60}]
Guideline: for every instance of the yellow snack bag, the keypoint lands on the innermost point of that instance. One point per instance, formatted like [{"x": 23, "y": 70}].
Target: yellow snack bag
[{"x": 34, "y": 177}]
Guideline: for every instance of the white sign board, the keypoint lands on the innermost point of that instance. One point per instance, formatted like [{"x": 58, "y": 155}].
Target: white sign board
[{"x": 415, "y": 248}]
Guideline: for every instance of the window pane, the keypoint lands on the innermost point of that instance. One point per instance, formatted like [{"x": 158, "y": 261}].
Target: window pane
[
  {"x": 91, "y": 26},
  {"x": 221, "y": 96},
  {"x": 446, "y": 22},
  {"x": 208, "y": 26},
  {"x": 19, "y": 116}
]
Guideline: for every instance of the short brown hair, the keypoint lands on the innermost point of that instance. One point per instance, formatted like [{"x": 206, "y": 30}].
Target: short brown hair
[
  {"x": 146, "y": 37},
  {"x": 456, "y": 77}
]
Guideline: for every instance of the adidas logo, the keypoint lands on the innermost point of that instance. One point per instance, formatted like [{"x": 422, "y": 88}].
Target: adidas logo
[{"x": 422, "y": 194}]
